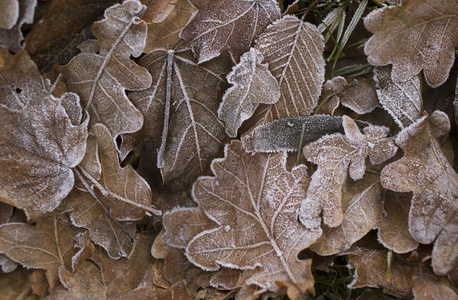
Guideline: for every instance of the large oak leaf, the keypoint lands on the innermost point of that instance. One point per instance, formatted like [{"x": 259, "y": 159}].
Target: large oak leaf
[
  {"x": 39, "y": 144},
  {"x": 180, "y": 110},
  {"x": 425, "y": 171},
  {"x": 254, "y": 200},
  {"x": 294, "y": 51},
  {"x": 102, "y": 73},
  {"x": 422, "y": 34},
  {"x": 227, "y": 25}
]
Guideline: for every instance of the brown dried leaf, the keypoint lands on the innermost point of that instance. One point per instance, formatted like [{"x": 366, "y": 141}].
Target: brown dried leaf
[
  {"x": 426, "y": 287},
  {"x": 227, "y": 25},
  {"x": 157, "y": 10},
  {"x": 252, "y": 84},
  {"x": 47, "y": 245},
  {"x": 422, "y": 34},
  {"x": 16, "y": 285},
  {"x": 331, "y": 93},
  {"x": 101, "y": 76},
  {"x": 59, "y": 30},
  {"x": 336, "y": 156},
  {"x": 254, "y": 200},
  {"x": 402, "y": 100},
  {"x": 12, "y": 38},
  {"x": 294, "y": 51},
  {"x": 39, "y": 145},
  {"x": 361, "y": 96},
  {"x": 165, "y": 34},
  {"x": 425, "y": 171},
  {"x": 180, "y": 111}
]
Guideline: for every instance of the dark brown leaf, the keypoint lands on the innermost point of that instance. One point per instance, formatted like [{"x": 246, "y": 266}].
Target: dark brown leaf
[{"x": 11, "y": 38}]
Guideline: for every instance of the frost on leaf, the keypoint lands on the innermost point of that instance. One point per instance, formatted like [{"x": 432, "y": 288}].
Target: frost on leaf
[
  {"x": 227, "y": 25},
  {"x": 252, "y": 84},
  {"x": 294, "y": 51},
  {"x": 12, "y": 37},
  {"x": 361, "y": 96},
  {"x": 180, "y": 111},
  {"x": 47, "y": 245},
  {"x": 331, "y": 92},
  {"x": 157, "y": 10},
  {"x": 422, "y": 34},
  {"x": 402, "y": 100},
  {"x": 427, "y": 287},
  {"x": 165, "y": 33},
  {"x": 103, "y": 71},
  {"x": 425, "y": 171},
  {"x": 254, "y": 200},
  {"x": 39, "y": 145},
  {"x": 337, "y": 156}
]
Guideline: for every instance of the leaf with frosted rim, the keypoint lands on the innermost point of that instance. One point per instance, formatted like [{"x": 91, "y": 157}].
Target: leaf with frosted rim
[
  {"x": 402, "y": 100},
  {"x": 39, "y": 145},
  {"x": 331, "y": 92},
  {"x": 252, "y": 84},
  {"x": 47, "y": 245},
  {"x": 12, "y": 38},
  {"x": 227, "y": 25},
  {"x": 337, "y": 156},
  {"x": 361, "y": 97},
  {"x": 254, "y": 200},
  {"x": 425, "y": 171},
  {"x": 420, "y": 35},
  {"x": 101, "y": 76},
  {"x": 294, "y": 51},
  {"x": 180, "y": 111}
]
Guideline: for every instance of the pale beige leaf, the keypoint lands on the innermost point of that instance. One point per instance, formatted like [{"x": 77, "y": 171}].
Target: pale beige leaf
[
  {"x": 402, "y": 100},
  {"x": 252, "y": 84},
  {"x": 362, "y": 206},
  {"x": 165, "y": 34},
  {"x": 294, "y": 51},
  {"x": 9, "y": 13},
  {"x": 47, "y": 245},
  {"x": 180, "y": 111},
  {"x": 425, "y": 171},
  {"x": 331, "y": 93},
  {"x": 337, "y": 156},
  {"x": 254, "y": 200},
  {"x": 427, "y": 287},
  {"x": 361, "y": 96},
  {"x": 420, "y": 35},
  {"x": 11, "y": 38},
  {"x": 101, "y": 78},
  {"x": 227, "y": 25},
  {"x": 39, "y": 145}
]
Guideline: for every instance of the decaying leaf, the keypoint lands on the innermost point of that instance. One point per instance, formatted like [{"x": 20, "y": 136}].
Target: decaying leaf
[
  {"x": 12, "y": 37},
  {"x": 331, "y": 92},
  {"x": 227, "y": 25},
  {"x": 254, "y": 200},
  {"x": 428, "y": 287},
  {"x": 425, "y": 171},
  {"x": 16, "y": 285},
  {"x": 252, "y": 84},
  {"x": 180, "y": 111},
  {"x": 402, "y": 100},
  {"x": 422, "y": 34},
  {"x": 157, "y": 10},
  {"x": 47, "y": 245},
  {"x": 294, "y": 51},
  {"x": 39, "y": 145},
  {"x": 361, "y": 96},
  {"x": 102, "y": 73},
  {"x": 165, "y": 34},
  {"x": 337, "y": 156},
  {"x": 9, "y": 13}
]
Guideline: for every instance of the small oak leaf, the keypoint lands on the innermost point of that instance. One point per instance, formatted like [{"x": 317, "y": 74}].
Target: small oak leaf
[
  {"x": 337, "y": 156},
  {"x": 361, "y": 97},
  {"x": 331, "y": 92},
  {"x": 425, "y": 171},
  {"x": 227, "y": 25},
  {"x": 254, "y": 200},
  {"x": 47, "y": 245},
  {"x": 252, "y": 84},
  {"x": 422, "y": 34},
  {"x": 101, "y": 78}
]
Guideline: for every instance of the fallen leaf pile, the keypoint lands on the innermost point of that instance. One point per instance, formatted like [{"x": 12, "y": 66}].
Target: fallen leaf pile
[{"x": 196, "y": 149}]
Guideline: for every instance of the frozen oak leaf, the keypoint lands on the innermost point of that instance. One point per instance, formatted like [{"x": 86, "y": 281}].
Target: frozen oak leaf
[
  {"x": 425, "y": 171},
  {"x": 252, "y": 84},
  {"x": 337, "y": 156},
  {"x": 104, "y": 70},
  {"x": 422, "y": 34},
  {"x": 361, "y": 97},
  {"x": 402, "y": 100},
  {"x": 47, "y": 245},
  {"x": 227, "y": 25},
  {"x": 39, "y": 143},
  {"x": 180, "y": 111},
  {"x": 254, "y": 200},
  {"x": 294, "y": 51}
]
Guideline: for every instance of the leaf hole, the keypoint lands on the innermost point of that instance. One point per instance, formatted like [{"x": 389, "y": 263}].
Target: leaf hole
[{"x": 18, "y": 90}]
